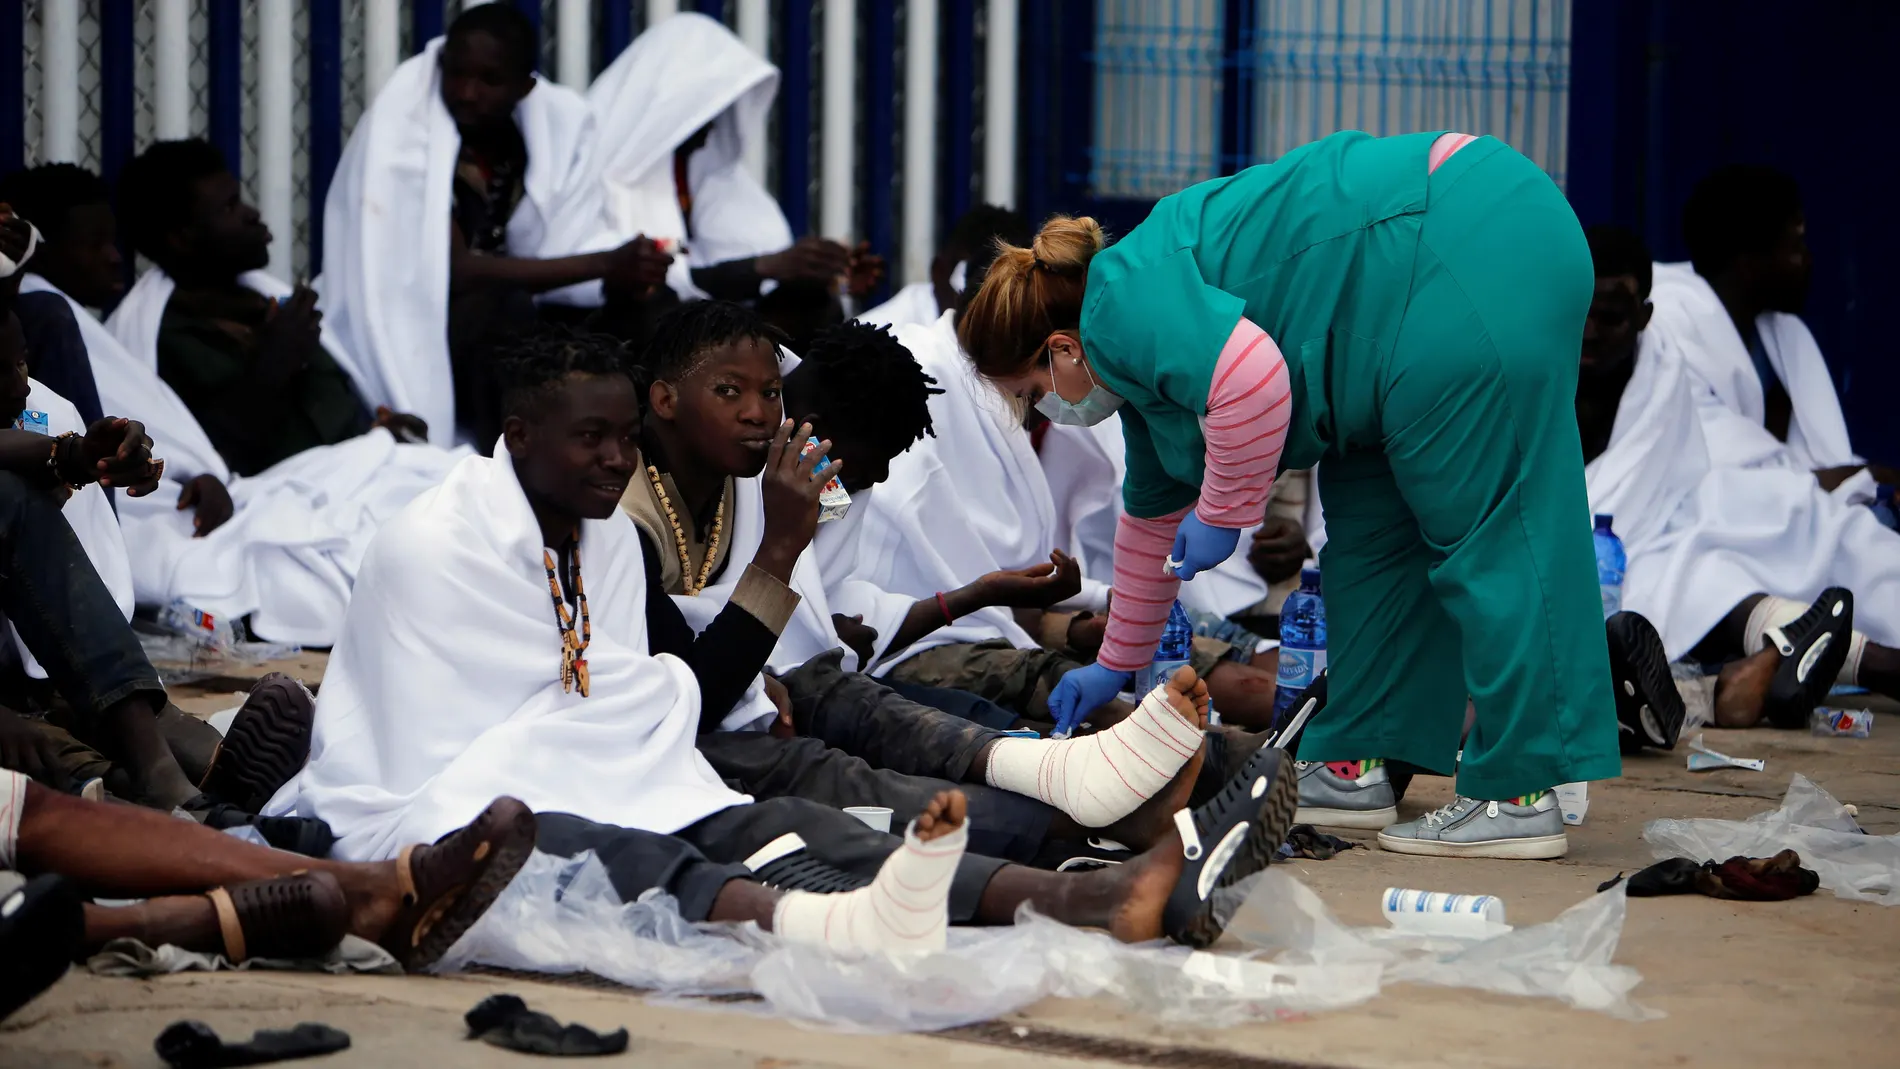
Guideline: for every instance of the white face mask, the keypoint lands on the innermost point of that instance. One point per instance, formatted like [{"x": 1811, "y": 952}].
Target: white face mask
[{"x": 1096, "y": 406}]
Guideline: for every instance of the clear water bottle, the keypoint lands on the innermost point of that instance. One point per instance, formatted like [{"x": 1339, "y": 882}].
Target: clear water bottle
[
  {"x": 1611, "y": 564},
  {"x": 181, "y": 617},
  {"x": 1302, "y": 642},
  {"x": 1174, "y": 650}
]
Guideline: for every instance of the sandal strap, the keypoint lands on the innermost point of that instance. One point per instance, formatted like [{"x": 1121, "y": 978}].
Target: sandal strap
[
  {"x": 1779, "y": 638},
  {"x": 228, "y": 924},
  {"x": 406, "y": 874},
  {"x": 1190, "y": 836}
]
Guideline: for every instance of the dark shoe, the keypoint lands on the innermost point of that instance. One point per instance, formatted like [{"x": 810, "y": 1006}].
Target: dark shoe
[
  {"x": 268, "y": 743},
  {"x": 1233, "y": 836},
  {"x": 1649, "y": 708},
  {"x": 1813, "y": 648},
  {"x": 449, "y": 885},
  {"x": 303, "y": 915},
  {"x": 41, "y": 927}
]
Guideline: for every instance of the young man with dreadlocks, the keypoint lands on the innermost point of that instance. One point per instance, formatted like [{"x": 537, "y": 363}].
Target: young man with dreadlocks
[{"x": 501, "y": 640}]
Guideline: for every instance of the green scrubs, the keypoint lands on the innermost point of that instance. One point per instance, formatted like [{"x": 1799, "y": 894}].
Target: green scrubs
[{"x": 1430, "y": 325}]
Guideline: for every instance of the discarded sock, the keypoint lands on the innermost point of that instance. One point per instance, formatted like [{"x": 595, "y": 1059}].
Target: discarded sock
[
  {"x": 505, "y": 1021},
  {"x": 906, "y": 908},
  {"x": 1306, "y": 841},
  {"x": 193, "y": 1045},
  {"x": 1771, "y": 879},
  {"x": 1099, "y": 779}
]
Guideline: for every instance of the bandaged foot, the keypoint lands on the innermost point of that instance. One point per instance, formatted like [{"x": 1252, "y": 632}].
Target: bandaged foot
[
  {"x": 906, "y": 908},
  {"x": 1099, "y": 779}
]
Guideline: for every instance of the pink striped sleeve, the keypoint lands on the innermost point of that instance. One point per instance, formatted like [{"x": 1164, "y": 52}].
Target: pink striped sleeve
[
  {"x": 1248, "y": 408},
  {"x": 1143, "y": 594}
]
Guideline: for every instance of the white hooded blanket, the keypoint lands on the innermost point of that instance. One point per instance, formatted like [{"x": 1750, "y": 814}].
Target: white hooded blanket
[
  {"x": 1701, "y": 537},
  {"x": 445, "y": 691},
  {"x": 977, "y": 497},
  {"x": 386, "y": 230},
  {"x": 89, "y": 514},
  {"x": 683, "y": 73},
  {"x": 288, "y": 556},
  {"x": 1728, "y": 391}
]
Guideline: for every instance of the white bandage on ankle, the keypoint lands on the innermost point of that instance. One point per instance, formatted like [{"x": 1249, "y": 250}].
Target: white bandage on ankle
[
  {"x": 1772, "y": 611},
  {"x": 905, "y": 910},
  {"x": 1101, "y": 778}
]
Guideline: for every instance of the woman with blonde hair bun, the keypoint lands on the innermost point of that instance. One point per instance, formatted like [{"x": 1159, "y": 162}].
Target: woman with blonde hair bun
[{"x": 1406, "y": 310}]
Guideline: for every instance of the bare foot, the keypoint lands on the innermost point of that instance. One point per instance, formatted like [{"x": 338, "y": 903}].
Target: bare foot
[
  {"x": 374, "y": 893},
  {"x": 1187, "y": 694},
  {"x": 945, "y": 814},
  {"x": 1741, "y": 689},
  {"x": 1146, "y": 883}
]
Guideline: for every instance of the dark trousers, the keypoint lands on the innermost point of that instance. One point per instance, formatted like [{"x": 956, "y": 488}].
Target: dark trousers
[
  {"x": 693, "y": 863},
  {"x": 64, "y": 613}
]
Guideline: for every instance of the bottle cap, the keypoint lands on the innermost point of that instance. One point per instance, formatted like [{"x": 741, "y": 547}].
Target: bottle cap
[
  {"x": 1309, "y": 577},
  {"x": 1603, "y": 521}
]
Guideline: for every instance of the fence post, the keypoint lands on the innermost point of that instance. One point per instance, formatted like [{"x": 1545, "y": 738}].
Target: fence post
[
  {"x": 116, "y": 140},
  {"x": 880, "y": 134},
  {"x": 171, "y": 69},
  {"x": 1236, "y": 149},
  {"x": 574, "y": 51},
  {"x": 755, "y": 29},
  {"x": 794, "y": 115},
  {"x": 276, "y": 128},
  {"x": 920, "y": 138},
  {"x": 382, "y": 43},
  {"x": 1000, "y": 28},
  {"x": 959, "y": 98},
  {"x": 837, "y": 143},
  {"x": 59, "y": 81},
  {"x": 326, "y": 115},
  {"x": 225, "y": 21},
  {"x": 425, "y": 23}
]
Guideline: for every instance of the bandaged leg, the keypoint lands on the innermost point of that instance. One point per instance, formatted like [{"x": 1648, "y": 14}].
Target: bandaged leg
[
  {"x": 1099, "y": 779},
  {"x": 904, "y": 910},
  {"x": 1772, "y": 611}
]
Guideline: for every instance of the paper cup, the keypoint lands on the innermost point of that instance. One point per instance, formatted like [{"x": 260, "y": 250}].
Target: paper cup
[{"x": 875, "y": 817}]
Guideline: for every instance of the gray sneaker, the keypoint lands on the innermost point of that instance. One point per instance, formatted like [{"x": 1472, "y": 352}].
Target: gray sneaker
[
  {"x": 1345, "y": 794},
  {"x": 1469, "y": 827}
]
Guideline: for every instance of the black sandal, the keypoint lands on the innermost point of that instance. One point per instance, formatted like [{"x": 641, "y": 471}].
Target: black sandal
[
  {"x": 268, "y": 743},
  {"x": 302, "y": 915},
  {"x": 1233, "y": 836},
  {"x": 41, "y": 928},
  {"x": 1649, "y": 708},
  {"x": 1813, "y": 648}
]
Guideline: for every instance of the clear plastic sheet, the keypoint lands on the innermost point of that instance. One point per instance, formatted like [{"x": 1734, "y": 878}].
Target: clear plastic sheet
[
  {"x": 180, "y": 660},
  {"x": 561, "y": 915},
  {"x": 1851, "y": 863}
]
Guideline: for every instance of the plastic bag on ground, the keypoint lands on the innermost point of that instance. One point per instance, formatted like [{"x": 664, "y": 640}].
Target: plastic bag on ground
[
  {"x": 561, "y": 915},
  {"x": 1567, "y": 958},
  {"x": 1851, "y": 863}
]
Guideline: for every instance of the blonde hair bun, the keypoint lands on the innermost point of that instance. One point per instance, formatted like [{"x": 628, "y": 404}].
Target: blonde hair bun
[{"x": 1066, "y": 243}]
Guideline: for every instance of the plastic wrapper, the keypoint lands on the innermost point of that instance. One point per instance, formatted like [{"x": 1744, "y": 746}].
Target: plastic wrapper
[
  {"x": 179, "y": 659},
  {"x": 1851, "y": 863},
  {"x": 561, "y": 915}
]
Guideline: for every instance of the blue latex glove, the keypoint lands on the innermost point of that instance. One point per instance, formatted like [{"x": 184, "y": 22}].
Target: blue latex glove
[
  {"x": 1081, "y": 691},
  {"x": 1198, "y": 546}
]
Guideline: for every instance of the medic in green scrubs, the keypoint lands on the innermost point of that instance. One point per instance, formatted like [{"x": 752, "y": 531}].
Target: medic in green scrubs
[{"x": 1427, "y": 294}]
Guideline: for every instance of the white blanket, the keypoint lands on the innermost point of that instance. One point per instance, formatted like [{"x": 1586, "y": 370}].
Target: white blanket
[
  {"x": 288, "y": 556},
  {"x": 1729, "y": 396},
  {"x": 444, "y": 690},
  {"x": 386, "y": 230},
  {"x": 1701, "y": 537},
  {"x": 685, "y": 72},
  {"x": 977, "y": 497},
  {"x": 914, "y": 305},
  {"x": 89, "y": 514}
]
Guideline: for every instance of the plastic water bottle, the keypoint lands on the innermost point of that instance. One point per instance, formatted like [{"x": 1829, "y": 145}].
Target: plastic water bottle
[
  {"x": 1173, "y": 651},
  {"x": 181, "y": 617},
  {"x": 1611, "y": 563},
  {"x": 1302, "y": 642}
]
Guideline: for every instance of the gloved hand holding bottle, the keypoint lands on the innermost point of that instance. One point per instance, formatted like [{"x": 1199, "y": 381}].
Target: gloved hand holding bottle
[
  {"x": 1199, "y": 545},
  {"x": 1081, "y": 691}
]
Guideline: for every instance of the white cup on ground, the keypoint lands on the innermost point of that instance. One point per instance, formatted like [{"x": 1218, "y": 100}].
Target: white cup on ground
[{"x": 875, "y": 817}]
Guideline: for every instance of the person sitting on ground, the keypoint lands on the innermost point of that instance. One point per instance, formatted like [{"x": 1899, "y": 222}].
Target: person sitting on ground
[
  {"x": 209, "y": 892},
  {"x": 462, "y": 210},
  {"x": 250, "y": 365},
  {"x": 680, "y": 112},
  {"x": 1749, "y": 568},
  {"x": 83, "y": 240},
  {"x": 279, "y": 548},
  {"x": 973, "y": 238},
  {"x": 498, "y": 643},
  {"x": 862, "y": 744},
  {"x": 990, "y": 494},
  {"x": 1763, "y": 391}
]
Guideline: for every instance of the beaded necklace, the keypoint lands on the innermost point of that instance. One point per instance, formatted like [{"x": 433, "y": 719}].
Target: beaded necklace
[
  {"x": 573, "y": 646},
  {"x": 679, "y": 537}
]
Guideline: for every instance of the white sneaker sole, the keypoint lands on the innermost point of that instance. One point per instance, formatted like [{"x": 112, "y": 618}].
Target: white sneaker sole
[
  {"x": 1364, "y": 819},
  {"x": 1534, "y": 848}
]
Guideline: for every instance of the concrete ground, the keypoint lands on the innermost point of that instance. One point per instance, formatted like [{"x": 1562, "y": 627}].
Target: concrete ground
[{"x": 1812, "y": 982}]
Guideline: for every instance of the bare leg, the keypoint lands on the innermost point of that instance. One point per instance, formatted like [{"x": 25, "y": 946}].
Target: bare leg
[
  {"x": 1880, "y": 670},
  {"x": 188, "y": 921},
  {"x": 1243, "y": 694},
  {"x": 1741, "y": 688},
  {"x": 1126, "y": 900},
  {"x": 742, "y": 900},
  {"x": 131, "y": 736}
]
